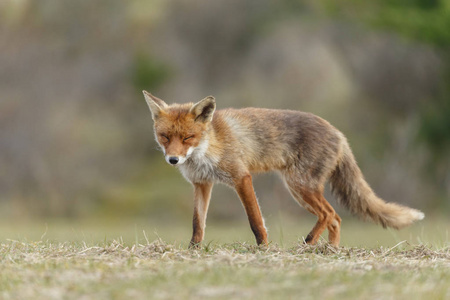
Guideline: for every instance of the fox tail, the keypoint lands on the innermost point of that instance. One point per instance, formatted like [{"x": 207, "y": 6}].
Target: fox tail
[{"x": 353, "y": 192}]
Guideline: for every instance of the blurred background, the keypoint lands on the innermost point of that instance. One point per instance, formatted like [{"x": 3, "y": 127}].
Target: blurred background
[{"x": 76, "y": 139}]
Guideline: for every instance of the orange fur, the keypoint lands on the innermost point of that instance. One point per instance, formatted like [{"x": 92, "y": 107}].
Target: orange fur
[{"x": 226, "y": 146}]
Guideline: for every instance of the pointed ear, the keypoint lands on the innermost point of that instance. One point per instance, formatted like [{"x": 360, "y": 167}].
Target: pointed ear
[
  {"x": 155, "y": 104},
  {"x": 204, "y": 109}
]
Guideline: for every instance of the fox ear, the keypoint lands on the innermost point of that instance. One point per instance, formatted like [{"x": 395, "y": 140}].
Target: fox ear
[
  {"x": 204, "y": 109},
  {"x": 155, "y": 104}
]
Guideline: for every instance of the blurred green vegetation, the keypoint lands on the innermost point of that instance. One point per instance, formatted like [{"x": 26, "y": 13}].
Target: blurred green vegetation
[
  {"x": 435, "y": 128},
  {"x": 148, "y": 72},
  {"x": 424, "y": 21}
]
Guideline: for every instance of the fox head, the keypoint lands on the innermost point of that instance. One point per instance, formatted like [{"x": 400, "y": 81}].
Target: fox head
[{"x": 180, "y": 128}]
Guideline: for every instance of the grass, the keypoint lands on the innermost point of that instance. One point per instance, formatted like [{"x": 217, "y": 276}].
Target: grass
[
  {"x": 63, "y": 260},
  {"x": 113, "y": 270},
  {"x": 284, "y": 231}
]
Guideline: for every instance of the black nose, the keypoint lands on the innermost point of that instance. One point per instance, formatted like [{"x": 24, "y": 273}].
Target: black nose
[{"x": 173, "y": 160}]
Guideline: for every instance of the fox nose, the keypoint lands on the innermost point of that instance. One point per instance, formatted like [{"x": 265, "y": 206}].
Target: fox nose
[{"x": 173, "y": 160}]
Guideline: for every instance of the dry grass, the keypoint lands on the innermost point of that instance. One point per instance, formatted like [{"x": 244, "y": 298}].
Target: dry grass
[{"x": 76, "y": 270}]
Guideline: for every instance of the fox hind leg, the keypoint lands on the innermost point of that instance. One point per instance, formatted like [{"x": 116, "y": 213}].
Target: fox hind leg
[
  {"x": 312, "y": 199},
  {"x": 334, "y": 230}
]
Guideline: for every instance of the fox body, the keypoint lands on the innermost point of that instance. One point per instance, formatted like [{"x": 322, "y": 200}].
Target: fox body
[{"x": 228, "y": 145}]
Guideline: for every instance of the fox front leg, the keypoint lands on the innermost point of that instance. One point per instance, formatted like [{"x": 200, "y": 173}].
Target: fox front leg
[
  {"x": 202, "y": 195},
  {"x": 244, "y": 188}
]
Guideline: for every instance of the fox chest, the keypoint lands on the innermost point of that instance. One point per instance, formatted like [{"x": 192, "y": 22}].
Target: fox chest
[{"x": 204, "y": 170}]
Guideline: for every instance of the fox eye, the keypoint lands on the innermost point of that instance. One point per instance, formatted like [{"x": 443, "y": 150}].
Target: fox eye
[
  {"x": 187, "y": 138},
  {"x": 165, "y": 137}
]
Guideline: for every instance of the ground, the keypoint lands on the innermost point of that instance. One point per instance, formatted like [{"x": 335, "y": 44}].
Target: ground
[{"x": 82, "y": 265}]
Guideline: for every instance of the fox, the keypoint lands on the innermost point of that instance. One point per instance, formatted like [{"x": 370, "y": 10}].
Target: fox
[{"x": 227, "y": 146}]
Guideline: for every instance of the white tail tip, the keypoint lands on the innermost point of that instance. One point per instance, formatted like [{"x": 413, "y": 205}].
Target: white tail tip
[{"x": 418, "y": 215}]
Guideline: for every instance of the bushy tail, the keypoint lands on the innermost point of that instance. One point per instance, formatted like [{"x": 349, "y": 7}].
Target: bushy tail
[{"x": 352, "y": 191}]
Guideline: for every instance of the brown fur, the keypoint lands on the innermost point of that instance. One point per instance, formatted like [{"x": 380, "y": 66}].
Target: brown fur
[
  {"x": 244, "y": 188},
  {"x": 202, "y": 195},
  {"x": 228, "y": 145}
]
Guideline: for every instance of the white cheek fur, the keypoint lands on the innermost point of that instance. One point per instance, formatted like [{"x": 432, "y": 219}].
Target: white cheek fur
[
  {"x": 161, "y": 146},
  {"x": 189, "y": 152}
]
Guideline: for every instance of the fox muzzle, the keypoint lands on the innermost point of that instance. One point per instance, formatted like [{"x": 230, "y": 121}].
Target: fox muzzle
[{"x": 175, "y": 160}]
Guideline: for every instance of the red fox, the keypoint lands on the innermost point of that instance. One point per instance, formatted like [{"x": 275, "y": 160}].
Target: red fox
[{"x": 228, "y": 145}]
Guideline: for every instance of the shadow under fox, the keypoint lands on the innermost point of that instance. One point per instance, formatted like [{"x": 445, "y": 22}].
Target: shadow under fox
[{"x": 228, "y": 145}]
